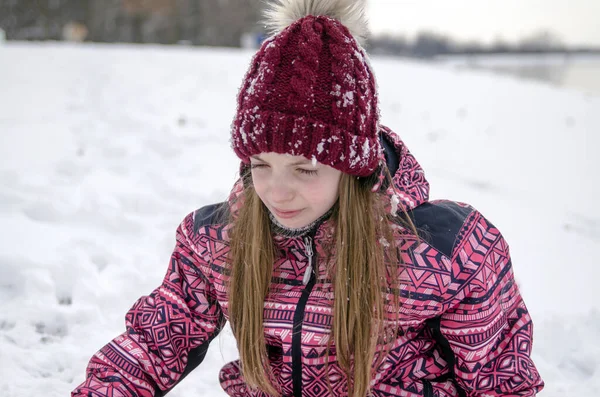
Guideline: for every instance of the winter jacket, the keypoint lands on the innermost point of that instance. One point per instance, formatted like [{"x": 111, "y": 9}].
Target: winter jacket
[{"x": 465, "y": 330}]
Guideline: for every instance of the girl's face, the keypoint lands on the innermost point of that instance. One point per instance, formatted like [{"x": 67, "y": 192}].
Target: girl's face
[{"x": 293, "y": 189}]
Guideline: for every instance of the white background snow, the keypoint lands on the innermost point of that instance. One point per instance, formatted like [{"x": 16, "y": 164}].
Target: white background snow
[{"x": 106, "y": 148}]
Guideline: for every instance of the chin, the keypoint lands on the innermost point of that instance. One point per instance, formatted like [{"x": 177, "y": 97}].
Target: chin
[{"x": 296, "y": 222}]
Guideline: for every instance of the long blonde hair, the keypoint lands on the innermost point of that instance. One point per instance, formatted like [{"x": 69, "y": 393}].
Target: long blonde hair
[{"x": 364, "y": 254}]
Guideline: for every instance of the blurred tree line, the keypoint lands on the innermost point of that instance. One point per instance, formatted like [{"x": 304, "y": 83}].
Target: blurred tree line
[
  {"x": 230, "y": 23},
  {"x": 197, "y": 22},
  {"x": 430, "y": 44}
]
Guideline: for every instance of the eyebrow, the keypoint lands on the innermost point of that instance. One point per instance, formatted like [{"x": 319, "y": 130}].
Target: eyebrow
[{"x": 301, "y": 162}]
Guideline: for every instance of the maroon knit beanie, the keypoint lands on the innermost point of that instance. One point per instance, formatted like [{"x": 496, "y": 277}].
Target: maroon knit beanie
[{"x": 310, "y": 92}]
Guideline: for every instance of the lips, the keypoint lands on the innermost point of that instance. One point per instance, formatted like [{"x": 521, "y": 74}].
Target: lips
[{"x": 286, "y": 214}]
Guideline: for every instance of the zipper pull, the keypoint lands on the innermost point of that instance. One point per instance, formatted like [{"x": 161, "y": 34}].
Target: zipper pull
[{"x": 309, "y": 253}]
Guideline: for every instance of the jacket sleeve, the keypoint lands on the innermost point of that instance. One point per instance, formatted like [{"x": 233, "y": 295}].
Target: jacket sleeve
[
  {"x": 167, "y": 332},
  {"x": 487, "y": 329}
]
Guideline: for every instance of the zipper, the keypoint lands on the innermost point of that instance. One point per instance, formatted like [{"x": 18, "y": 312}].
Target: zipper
[
  {"x": 308, "y": 244},
  {"x": 308, "y": 281},
  {"x": 427, "y": 388}
]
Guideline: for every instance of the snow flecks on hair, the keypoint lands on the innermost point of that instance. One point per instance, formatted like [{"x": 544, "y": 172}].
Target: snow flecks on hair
[{"x": 395, "y": 201}]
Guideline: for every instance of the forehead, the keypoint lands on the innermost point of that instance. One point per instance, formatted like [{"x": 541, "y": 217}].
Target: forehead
[{"x": 280, "y": 158}]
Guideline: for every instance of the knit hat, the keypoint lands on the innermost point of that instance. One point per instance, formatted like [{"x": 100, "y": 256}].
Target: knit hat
[{"x": 310, "y": 90}]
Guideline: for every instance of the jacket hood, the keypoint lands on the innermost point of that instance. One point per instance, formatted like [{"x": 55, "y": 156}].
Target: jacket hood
[{"x": 409, "y": 186}]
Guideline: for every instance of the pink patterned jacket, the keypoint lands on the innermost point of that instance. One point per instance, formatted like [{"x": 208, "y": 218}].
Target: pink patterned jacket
[{"x": 465, "y": 330}]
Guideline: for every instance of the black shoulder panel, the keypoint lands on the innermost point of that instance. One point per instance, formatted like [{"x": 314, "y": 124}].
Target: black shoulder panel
[
  {"x": 391, "y": 157},
  {"x": 439, "y": 222},
  {"x": 210, "y": 215}
]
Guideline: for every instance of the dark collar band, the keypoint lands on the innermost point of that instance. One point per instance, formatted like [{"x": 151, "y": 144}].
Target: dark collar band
[{"x": 284, "y": 231}]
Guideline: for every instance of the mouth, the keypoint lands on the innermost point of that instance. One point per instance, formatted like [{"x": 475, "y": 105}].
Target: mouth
[{"x": 285, "y": 214}]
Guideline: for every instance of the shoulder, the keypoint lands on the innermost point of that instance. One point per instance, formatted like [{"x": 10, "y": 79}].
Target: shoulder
[
  {"x": 210, "y": 215},
  {"x": 441, "y": 223},
  {"x": 207, "y": 220},
  {"x": 201, "y": 237},
  {"x": 469, "y": 240}
]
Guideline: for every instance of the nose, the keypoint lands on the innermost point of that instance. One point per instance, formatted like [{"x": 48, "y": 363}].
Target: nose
[{"x": 281, "y": 190}]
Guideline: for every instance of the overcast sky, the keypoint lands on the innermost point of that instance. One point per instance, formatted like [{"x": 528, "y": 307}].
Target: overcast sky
[{"x": 574, "y": 21}]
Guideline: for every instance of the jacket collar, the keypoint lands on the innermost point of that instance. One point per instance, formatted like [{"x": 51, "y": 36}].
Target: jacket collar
[{"x": 410, "y": 187}]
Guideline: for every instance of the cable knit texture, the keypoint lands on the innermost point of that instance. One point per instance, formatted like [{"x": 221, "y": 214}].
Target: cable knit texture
[{"x": 310, "y": 92}]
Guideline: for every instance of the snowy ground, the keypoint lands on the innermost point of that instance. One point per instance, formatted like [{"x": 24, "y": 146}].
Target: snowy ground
[{"x": 106, "y": 148}]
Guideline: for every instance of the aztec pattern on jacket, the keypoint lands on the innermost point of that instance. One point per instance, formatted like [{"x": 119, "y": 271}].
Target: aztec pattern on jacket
[{"x": 465, "y": 330}]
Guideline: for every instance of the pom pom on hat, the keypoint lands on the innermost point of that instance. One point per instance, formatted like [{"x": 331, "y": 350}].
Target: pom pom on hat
[{"x": 351, "y": 13}]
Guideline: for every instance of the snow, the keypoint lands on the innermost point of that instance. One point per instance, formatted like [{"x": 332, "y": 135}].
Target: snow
[
  {"x": 106, "y": 148},
  {"x": 321, "y": 146}
]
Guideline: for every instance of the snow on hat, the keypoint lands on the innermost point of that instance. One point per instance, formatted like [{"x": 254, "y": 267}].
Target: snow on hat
[{"x": 310, "y": 90}]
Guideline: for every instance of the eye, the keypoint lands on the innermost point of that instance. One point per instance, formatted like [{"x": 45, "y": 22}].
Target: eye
[
  {"x": 254, "y": 166},
  {"x": 307, "y": 172}
]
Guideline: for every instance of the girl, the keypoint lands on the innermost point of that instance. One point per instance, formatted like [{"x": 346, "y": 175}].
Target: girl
[{"x": 336, "y": 273}]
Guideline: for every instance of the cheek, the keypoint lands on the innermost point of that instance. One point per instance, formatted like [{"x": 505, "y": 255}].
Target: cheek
[
  {"x": 259, "y": 184},
  {"x": 331, "y": 189},
  {"x": 332, "y": 195},
  {"x": 323, "y": 193}
]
